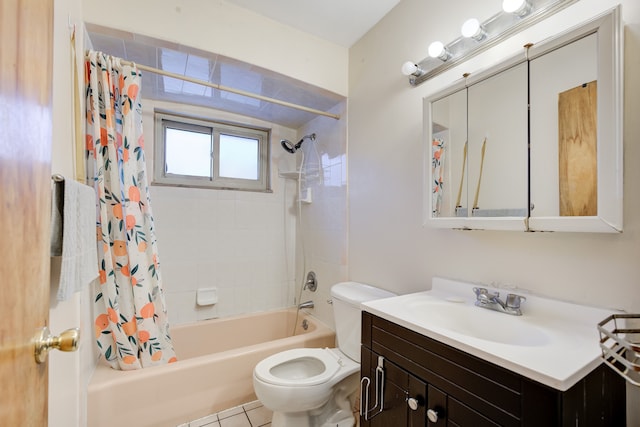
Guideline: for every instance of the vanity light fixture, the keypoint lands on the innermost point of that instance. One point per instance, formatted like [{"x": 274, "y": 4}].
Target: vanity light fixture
[{"x": 515, "y": 16}]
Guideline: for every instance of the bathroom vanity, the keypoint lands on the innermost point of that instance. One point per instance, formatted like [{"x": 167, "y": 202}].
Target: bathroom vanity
[{"x": 455, "y": 369}]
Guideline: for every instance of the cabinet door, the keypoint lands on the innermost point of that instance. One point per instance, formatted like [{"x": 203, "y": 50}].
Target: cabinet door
[
  {"x": 448, "y": 156},
  {"x": 576, "y": 129},
  {"x": 436, "y": 408},
  {"x": 498, "y": 145},
  {"x": 478, "y": 151},
  {"x": 399, "y": 388},
  {"x": 417, "y": 401},
  {"x": 393, "y": 388}
]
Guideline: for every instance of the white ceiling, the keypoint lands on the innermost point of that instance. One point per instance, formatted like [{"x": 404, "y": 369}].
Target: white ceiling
[{"x": 340, "y": 21}]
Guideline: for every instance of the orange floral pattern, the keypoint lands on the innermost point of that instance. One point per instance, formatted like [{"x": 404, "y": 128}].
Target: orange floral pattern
[
  {"x": 437, "y": 173},
  {"x": 131, "y": 324}
]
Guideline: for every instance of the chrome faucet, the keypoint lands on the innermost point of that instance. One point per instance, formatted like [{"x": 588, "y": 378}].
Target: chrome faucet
[
  {"x": 311, "y": 283},
  {"x": 492, "y": 301},
  {"x": 307, "y": 304}
]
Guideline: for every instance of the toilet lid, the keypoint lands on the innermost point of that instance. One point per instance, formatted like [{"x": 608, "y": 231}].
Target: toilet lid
[{"x": 315, "y": 366}]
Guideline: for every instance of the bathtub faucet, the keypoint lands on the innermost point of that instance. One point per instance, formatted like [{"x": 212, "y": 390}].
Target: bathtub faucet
[{"x": 307, "y": 304}]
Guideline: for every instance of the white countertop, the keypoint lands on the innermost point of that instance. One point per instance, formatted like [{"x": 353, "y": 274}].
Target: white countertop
[{"x": 555, "y": 343}]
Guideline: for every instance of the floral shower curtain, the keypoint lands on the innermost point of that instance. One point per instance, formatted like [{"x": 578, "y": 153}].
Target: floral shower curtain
[
  {"x": 437, "y": 172},
  {"x": 131, "y": 324}
]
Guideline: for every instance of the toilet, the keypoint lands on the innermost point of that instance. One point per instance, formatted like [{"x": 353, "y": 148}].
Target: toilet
[{"x": 312, "y": 387}]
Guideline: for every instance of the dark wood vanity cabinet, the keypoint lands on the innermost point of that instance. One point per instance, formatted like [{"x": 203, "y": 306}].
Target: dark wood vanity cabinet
[{"x": 453, "y": 388}]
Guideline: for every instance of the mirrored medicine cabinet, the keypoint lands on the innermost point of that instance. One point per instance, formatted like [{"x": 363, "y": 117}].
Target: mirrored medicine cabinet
[{"x": 533, "y": 143}]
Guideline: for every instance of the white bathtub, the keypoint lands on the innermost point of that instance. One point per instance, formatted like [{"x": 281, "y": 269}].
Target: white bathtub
[{"x": 214, "y": 370}]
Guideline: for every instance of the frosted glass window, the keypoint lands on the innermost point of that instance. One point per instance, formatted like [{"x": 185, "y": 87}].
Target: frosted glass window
[
  {"x": 238, "y": 157},
  {"x": 188, "y": 152},
  {"x": 195, "y": 152}
]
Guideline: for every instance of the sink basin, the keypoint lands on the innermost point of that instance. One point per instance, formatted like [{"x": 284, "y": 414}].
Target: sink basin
[
  {"x": 553, "y": 342},
  {"x": 478, "y": 323}
]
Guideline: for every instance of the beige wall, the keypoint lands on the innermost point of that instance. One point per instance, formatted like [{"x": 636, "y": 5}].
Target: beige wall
[{"x": 225, "y": 29}]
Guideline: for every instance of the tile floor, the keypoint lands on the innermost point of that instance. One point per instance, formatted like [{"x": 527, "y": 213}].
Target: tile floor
[{"x": 251, "y": 414}]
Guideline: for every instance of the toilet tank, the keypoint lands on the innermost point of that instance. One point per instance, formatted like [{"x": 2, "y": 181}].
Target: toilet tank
[{"x": 347, "y": 314}]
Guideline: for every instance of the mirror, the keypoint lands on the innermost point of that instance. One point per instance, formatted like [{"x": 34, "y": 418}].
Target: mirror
[
  {"x": 449, "y": 154},
  {"x": 479, "y": 149},
  {"x": 576, "y": 130},
  {"x": 497, "y": 120},
  {"x": 533, "y": 143}
]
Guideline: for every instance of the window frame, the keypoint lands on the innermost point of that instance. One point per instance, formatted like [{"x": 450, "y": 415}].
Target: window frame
[{"x": 165, "y": 119}]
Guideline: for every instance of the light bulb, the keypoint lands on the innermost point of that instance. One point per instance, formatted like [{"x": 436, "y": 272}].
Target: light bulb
[
  {"x": 438, "y": 50},
  {"x": 472, "y": 28},
  {"x": 409, "y": 68},
  {"x": 517, "y": 7}
]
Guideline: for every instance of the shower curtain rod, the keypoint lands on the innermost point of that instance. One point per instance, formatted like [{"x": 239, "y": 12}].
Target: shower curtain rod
[{"x": 229, "y": 89}]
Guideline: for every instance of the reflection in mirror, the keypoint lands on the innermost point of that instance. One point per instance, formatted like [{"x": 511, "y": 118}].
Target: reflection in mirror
[
  {"x": 497, "y": 132},
  {"x": 577, "y": 150},
  {"x": 448, "y": 154},
  {"x": 564, "y": 131},
  {"x": 576, "y": 128}
]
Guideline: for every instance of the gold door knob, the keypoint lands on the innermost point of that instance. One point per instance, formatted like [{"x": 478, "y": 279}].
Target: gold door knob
[{"x": 44, "y": 341}]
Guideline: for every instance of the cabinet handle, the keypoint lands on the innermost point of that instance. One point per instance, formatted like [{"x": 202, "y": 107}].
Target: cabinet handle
[
  {"x": 413, "y": 403},
  {"x": 365, "y": 382},
  {"x": 432, "y": 415}
]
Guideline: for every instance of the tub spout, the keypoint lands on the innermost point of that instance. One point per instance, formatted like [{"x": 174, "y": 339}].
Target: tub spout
[{"x": 307, "y": 304}]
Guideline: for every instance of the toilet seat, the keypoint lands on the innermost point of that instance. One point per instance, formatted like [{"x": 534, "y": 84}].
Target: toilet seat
[{"x": 320, "y": 364}]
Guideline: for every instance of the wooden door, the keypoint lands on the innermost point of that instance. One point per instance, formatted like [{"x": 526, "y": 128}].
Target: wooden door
[{"x": 26, "y": 34}]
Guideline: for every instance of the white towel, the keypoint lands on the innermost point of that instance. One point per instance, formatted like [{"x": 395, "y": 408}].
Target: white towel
[{"x": 79, "y": 251}]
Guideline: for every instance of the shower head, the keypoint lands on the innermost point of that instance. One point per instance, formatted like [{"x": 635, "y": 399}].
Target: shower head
[{"x": 291, "y": 147}]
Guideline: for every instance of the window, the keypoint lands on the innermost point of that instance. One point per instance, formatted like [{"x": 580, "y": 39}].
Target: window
[{"x": 192, "y": 152}]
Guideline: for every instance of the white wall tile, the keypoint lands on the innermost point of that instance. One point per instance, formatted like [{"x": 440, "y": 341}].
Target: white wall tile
[
  {"x": 179, "y": 276},
  {"x": 232, "y": 240},
  {"x": 180, "y": 307}
]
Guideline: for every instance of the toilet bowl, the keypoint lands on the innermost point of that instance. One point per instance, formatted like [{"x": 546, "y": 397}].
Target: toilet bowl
[
  {"x": 304, "y": 375},
  {"x": 315, "y": 386}
]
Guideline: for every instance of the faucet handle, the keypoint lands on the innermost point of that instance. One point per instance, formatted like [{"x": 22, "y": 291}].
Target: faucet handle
[
  {"x": 483, "y": 293},
  {"x": 513, "y": 300},
  {"x": 480, "y": 291}
]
